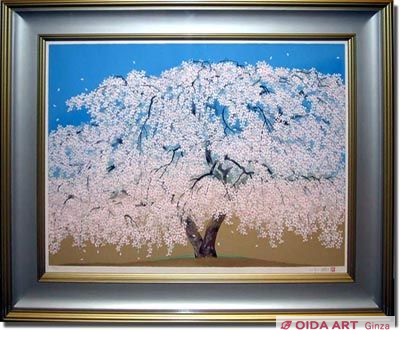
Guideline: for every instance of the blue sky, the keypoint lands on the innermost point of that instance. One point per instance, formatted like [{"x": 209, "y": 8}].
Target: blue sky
[{"x": 77, "y": 68}]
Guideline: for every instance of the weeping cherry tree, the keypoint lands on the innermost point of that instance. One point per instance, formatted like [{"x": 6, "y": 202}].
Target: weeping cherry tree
[{"x": 167, "y": 160}]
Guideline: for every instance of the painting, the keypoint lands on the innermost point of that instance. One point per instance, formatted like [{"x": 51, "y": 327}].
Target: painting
[{"x": 205, "y": 156}]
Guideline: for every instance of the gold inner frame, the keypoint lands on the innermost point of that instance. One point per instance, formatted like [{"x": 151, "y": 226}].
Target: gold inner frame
[
  {"x": 10, "y": 313},
  {"x": 200, "y": 277}
]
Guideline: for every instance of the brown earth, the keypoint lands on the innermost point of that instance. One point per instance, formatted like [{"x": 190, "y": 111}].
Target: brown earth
[
  {"x": 233, "y": 249},
  {"x": 202, "y": 262}
]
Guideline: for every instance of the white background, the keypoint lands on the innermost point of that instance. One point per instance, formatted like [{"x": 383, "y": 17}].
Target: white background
[{"x": 229, "y": 336}]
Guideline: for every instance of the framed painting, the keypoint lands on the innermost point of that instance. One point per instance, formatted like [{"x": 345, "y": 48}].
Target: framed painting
[{"x": 171, "y": 156}]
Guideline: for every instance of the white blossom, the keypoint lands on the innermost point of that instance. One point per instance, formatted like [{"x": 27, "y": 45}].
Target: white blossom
[{"x": 262, "y": 145}]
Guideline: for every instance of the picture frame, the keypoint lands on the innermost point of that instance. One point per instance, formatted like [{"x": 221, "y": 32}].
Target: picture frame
[{"x": 26, "y": 288}]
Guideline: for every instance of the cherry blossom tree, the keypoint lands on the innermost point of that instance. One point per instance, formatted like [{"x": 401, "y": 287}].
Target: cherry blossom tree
[{"x": 166, "y": 160}]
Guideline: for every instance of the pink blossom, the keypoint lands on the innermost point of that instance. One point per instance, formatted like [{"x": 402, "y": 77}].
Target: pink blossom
[{"x": 261, "y": 144}]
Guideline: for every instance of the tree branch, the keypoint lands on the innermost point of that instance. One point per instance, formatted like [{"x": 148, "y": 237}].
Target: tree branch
[
  {"x": 165, "y": 167},
  {"x": 242, "y": 168},
  {"x": 269, "y": 170},
  {"x": 226, "y": 125},
  {"x": 204, "y": 175},
  {"x": 145, "y": 122},
  {"x": 69, "y": 197},
  {"x": 265, "y": 119}
]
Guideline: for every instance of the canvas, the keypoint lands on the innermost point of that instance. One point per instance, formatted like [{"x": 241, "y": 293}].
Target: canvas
[{"x": 197, "y": 156}]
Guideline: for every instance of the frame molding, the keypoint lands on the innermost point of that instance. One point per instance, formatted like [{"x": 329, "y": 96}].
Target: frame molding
[
  {"x": 199, "y": 3},
  {"x": 10, "y": 313},
  {"x": 388, "y": 162},
  {"x": 252, "y": 317}
]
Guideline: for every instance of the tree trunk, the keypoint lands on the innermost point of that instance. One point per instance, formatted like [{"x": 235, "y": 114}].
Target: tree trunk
[
  {"x": 193, "y": 235},
  {"x": 204, "y": 247}
]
